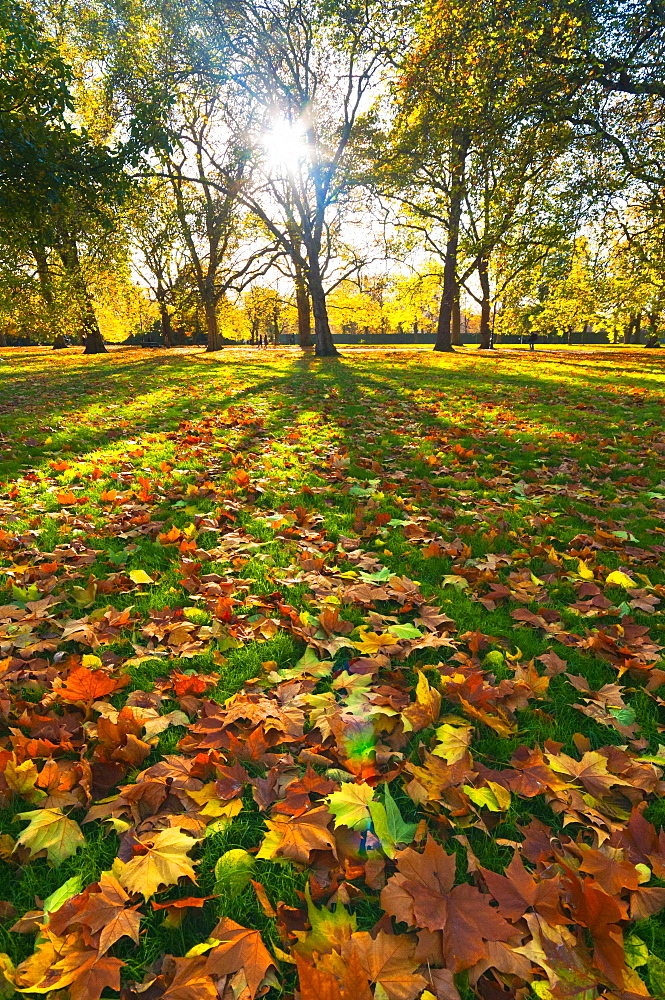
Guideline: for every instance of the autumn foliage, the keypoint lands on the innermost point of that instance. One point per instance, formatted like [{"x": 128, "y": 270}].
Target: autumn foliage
[{"x": 445, "y": 832}]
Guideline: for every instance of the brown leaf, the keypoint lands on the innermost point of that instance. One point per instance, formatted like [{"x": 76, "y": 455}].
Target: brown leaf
[
  {"x": 422, "y": 895},
  {"x": 612, "y": 873},
  {"x": 518, "y": 891},
  {"x": 389, "y": 960},
  {"x": 239, "y": 948},
  {"x": 100, "y": 909},
  {"x": 91, "y": 982}
]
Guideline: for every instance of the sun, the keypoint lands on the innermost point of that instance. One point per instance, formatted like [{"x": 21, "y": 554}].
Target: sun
[{"x": 285, "y": 144}]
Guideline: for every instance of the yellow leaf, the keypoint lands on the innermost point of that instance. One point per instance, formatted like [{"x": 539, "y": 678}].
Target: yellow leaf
[
  {"x": 282, "y": 956},
  {"x": 21, "y": 778},
  {"x": 201, "y": 948},
  {"x": 372, "y": 642},
  {"x": 583, "y": 570},
  {"x": 453, "y": 742},
  {"x": 140, "y": 576},
  {"x": 619, "y": 579},
  {"x": 211, "y": 805},
  {"x": 271, "y": 842},
  {"x": 426, "y": 709},
  {"x": 350, "y": 805},
  {"x": 91, "y": 661},
  {"x": 51, "y": 831},
  {"x": 164, "y": 862}
]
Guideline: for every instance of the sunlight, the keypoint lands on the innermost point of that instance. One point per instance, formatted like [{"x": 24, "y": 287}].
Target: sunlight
[{"x": 285, "y": 144}]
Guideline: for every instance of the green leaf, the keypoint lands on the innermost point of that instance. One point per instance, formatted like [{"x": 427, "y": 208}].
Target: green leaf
[
  {"x": 25, "y": 594},
  {"x": 389, "y": 824},
  {"x": 329, "y": 927},
  {"x": 64, "y": 892},
  {"x": 494, "y": 797},
  {"x": 406, "y": 631},
  {"x": 624, "y": 716},
  {"x": 637, "y": 952},
  {"x": 452, "y": 580},
  {"x": 380, "y": 575},
  {"x": 656, "y": 970}
]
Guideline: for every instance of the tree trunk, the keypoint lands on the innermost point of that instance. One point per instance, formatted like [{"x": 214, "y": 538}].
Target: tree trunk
[
  {"x": 457, "y": 163},
  {"x": 214, "y": 340},
  {"x": 43, "y": 273},
  {"x": 456, "y": 321},
  {"x": 90, "y": 333},
  {"x": 168, "y": 337},
  {"x": 93, "y": 340},
  {"x": 637, "y": 328},
  {"x": 3, "y": 339},
  {"x": 324, "y": 346},
  {"x": 485, "y": 305},
  {"x": 304, "y": 317}
]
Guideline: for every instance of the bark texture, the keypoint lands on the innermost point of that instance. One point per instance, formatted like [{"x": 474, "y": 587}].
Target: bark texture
[{"x": 457, "y": 173}]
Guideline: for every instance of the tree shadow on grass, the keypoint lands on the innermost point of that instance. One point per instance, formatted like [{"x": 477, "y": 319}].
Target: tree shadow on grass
[{"x": 71, "y": 394}]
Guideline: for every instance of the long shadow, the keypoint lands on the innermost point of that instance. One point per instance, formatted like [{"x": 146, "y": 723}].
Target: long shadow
[{"x": 353, "y": 375}]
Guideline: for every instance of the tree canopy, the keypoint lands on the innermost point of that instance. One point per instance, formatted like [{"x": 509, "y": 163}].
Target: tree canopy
[{"x": 195, "y": 151}]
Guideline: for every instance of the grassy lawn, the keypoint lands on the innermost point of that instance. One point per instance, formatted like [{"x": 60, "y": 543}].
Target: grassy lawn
[{"x": 379, "y": 599}]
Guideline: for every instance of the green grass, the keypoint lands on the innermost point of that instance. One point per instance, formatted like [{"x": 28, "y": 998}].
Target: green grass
[{"x": 512, "y": 455}]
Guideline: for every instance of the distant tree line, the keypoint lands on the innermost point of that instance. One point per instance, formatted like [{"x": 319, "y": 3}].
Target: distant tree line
[{"x": 228, "y": 168}]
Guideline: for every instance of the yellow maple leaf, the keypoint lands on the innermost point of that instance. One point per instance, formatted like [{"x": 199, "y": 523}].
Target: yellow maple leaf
[
  {"x": 164, "y": 862},
  {"x": 583, "y": 570},
  {"x": 211, "y": 805},
  {"x": 453, "y": 742},
  {"x": 140, "y": 576},
  {"x": 51, "y": 831},
  {"x": 21, "y": 778},
  {"x": 425, "y": 710},
  {"x": 373, "y": 642},
  {"x": 350, "y": 805}
]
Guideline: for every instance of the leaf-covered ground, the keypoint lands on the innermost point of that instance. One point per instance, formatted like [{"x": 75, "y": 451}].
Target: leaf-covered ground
[{"x": 336, "y": 679}]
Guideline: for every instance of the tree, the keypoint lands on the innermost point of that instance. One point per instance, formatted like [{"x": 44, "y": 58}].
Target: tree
[
  {"x": 208, "y": 167},
  {"x": 158, "y": 254},
  {"x": 560, "y": 296},
  {"x": 57, "y": 184},
  {"x": 633, "y": 242},
  {"x": 307, "y": 66},
  {"x": 413, "y": 303},
  {"x": 34, "y": 100},
  {"x": 468, "y": 96},
  {"x": 614, "y": 73}
]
